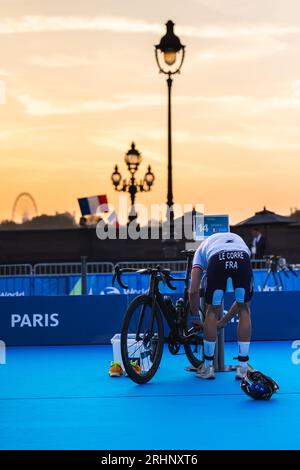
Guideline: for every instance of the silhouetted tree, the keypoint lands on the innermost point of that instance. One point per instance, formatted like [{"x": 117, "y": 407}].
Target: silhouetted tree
[{"x": 44, "y": 221}]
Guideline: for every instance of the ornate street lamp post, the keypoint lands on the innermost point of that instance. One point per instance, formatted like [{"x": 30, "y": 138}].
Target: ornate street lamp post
[
  {"x": 169, "y": 54},
  {"x": 133, "y": 159}
]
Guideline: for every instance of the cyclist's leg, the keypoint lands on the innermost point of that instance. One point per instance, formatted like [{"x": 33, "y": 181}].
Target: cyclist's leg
[
  {"x": 244, "y": 338},
  {"x": 216, "y": 285},
  {"x": 215, "y": 289},
  {"x": 210, "y": 324},
  {"x": 242, "y": 280},
  {"x": 244, "y": 324},
  {"x": 243, "y": 286}
]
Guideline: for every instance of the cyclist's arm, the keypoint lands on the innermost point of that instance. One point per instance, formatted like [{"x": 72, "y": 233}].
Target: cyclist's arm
[
  {"x": 229, "y": 315},
  {"x": 194, "y": 294}
]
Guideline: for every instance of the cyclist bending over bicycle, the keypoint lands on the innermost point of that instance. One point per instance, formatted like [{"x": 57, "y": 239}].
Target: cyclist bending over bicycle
[{"x": 222, "y": 256}]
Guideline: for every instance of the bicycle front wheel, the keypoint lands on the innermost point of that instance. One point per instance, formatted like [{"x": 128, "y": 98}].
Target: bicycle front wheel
[{"x": 142, "y": 339}]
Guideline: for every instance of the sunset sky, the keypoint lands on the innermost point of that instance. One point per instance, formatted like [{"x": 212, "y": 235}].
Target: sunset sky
[{"x": 82, "y": 83}]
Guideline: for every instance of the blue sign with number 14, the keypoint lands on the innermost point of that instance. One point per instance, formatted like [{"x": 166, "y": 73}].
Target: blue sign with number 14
[{"x": 206, "y": 225}]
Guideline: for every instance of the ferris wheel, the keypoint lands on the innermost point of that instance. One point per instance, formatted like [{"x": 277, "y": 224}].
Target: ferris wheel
[{"x": 24, "y": 208}]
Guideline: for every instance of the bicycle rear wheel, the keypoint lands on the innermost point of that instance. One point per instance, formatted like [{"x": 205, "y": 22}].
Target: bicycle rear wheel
[
  {"x": 142, "y": 340},
  {"x": 193, "y": 349}
]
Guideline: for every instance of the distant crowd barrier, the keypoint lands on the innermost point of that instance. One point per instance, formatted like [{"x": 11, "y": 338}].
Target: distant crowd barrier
[
  {"x": 66, "y": 320},
  {"x": 16, "y": 269},
  {"x": 97, "y": 267},
  {"x": 174, "y": 266},
  {"x": 52, "y": 269},
  {"x": 101, "y": 284}
]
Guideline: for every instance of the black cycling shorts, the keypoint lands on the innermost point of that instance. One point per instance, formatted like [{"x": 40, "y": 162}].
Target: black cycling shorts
[{"x": 224, "y": 265}]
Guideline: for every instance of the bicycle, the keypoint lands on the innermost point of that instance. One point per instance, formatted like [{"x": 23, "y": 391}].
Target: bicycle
[{"x": 142, "y": 334}]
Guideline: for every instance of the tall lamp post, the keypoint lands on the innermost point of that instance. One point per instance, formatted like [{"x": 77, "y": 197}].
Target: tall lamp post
[
  {"x": 169, "y": 54},
  {"x": 133, "y": 159}
]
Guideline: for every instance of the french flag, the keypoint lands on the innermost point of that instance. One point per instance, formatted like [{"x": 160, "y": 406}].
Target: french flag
[{"x": 89, "y": 205}]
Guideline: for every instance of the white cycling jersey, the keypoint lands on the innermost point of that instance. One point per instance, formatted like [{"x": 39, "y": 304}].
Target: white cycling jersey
[{"x": 214, "y": 244}]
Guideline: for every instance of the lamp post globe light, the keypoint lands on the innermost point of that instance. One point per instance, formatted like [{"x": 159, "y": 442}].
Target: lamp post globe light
[
  {"x": 133, "y": 159},
  {"x": 169, "y": 54}
]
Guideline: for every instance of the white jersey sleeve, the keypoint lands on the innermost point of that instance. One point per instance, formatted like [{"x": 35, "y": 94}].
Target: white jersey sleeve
[{"x": 199, "y": 260}]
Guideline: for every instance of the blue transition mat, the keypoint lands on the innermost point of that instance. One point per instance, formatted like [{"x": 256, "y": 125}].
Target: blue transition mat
[{"x": 63, "y": 398}]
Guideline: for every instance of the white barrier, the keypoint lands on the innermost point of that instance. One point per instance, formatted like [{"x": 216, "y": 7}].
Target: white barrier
[{"x": 2, "y": 352}]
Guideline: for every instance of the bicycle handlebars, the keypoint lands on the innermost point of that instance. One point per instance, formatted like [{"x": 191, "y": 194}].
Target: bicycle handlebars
[
  {"x": 117, "y": 275},
  {"x": 166, "y": 278},
  {"x": 164, "y": 275}
]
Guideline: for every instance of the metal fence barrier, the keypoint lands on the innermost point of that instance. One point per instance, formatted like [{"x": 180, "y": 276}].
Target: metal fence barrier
[
  {"x": 179, "y": 265},
  {"x": 258, "y": 263},
  {"x": 86, "y": 277},
  {"x": 99, "y": 268},
  {"x": 15, "y": 270},
  {"x": 56, "y": 269}
]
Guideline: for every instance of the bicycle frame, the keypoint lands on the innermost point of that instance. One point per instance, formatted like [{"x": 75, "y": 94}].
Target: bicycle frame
[{"x": 157, "y": 298}]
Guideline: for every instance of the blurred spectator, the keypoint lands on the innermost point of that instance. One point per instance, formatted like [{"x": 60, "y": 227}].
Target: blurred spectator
[{"x": 258, "y": 246}]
